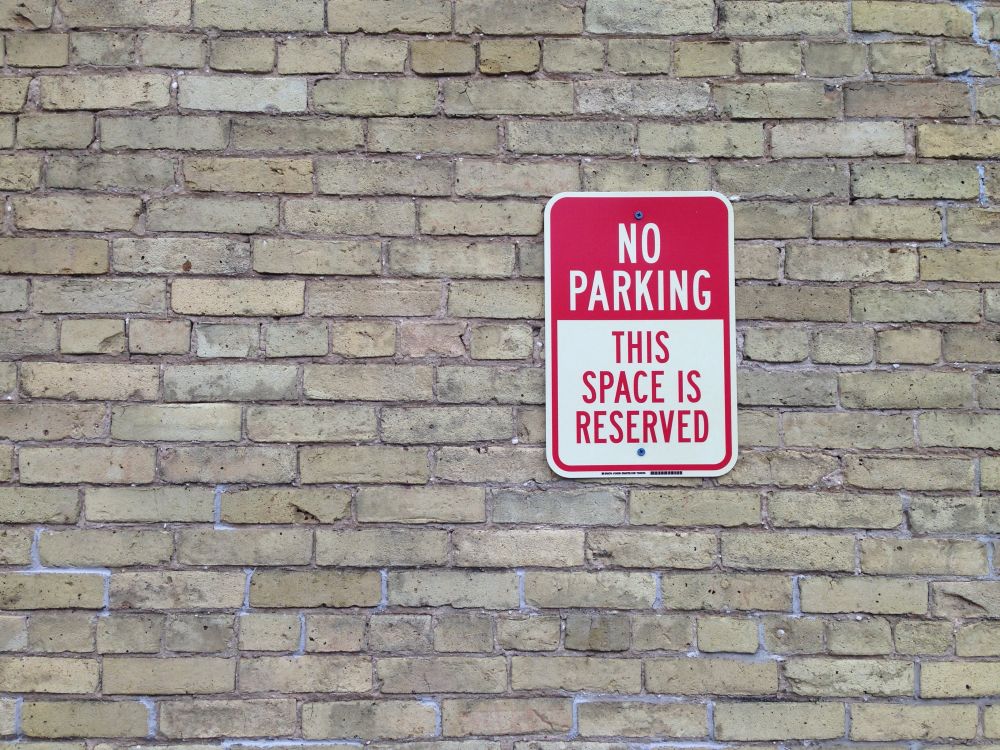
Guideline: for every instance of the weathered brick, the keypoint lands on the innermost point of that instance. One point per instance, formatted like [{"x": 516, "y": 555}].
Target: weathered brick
[
  {"x": 909, "y": 99},
  {"x": 798, "y": 140},
  {"x": 242, "y": 94},
  {"x": 801, "y": 17},
  {"x": 772, "y": 721},
  {"x": 393, "y": 719},
  {"x": 489, "y": 716},
  {"x": 650, "y": 98},
  {"x": 323, "y": 588},
  {"x": 882, "y": 721},
  {"x": 455, "y": 588},
  {"x": 98, "y": 465},
  {"x": 41, "y": 674},
  {"x": 422, "y": 16},
  {"x": 229, "y": 382},
  {"x": 301, "y": 674},
  {"x": 365, "y": 464},
  {"x": 147, "y": 504},
  {"x": 163, "y": 131},
  {"x": 186, "y": 719},
  {"x": 912, "y": 18}
]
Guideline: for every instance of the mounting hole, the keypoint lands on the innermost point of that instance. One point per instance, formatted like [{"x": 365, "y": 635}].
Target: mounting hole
[{"x": 641, "y": 452}]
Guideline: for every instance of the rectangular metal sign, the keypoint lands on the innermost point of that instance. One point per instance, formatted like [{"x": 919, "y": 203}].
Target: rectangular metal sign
[{"x": 640, "y": 334}]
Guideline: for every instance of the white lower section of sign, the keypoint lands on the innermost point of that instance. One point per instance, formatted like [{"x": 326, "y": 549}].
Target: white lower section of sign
[{"x": 644, "y": 419}]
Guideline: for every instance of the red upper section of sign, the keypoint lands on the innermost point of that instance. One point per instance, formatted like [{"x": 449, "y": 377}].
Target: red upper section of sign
[{"x": 694, "y": 236}]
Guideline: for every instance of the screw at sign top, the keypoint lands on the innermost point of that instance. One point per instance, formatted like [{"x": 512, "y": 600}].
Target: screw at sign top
[{"x": 638, "y": 214}]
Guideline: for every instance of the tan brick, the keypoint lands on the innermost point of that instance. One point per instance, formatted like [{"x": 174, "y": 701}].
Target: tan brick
[
  {"x": 777, "y": 99},
  {"x": 900, "y": 57},
  {"x": 849, "y": 677},
  {"x": 310, "y": 424},
  {"x": 923, "y": 637},
  {"x": 640, "y": 97},
  {"x": 887, "y": 390},
  {"x": 407, "y": 16},
  {"x": 453, "y": 258},
  {"x": 41, "y": 674},
  {"x": 355, "y": 216},
  {"x": 239, "y": 464},
  {"x": 211, "y": 213},
  {"x": 186, "y": 255},
  {"x": 920, "y": 181},
  {"x": 55, "y": 130},
  {"x": 604, "y": 589},
  {"x": 294, "y": 135},
  {"x": 925, "y": 474},
  {"x": 640, "y": 719},
  {"x": 186, "y": 719},
  {"x": 179, "y": 675},
  {"x": 516, "y": 548},
  {"x": 41, "y": 421},
  {"x": 490, "y": 716},
  {"x": 909, "y": 345},
  {"x": 492, "y": 464},
  {"x": 650, "y": 549},
  {"x": 118, "y": 465},
  {"x": 442, "y": 57},
  {"x": 229, "y": 382},
  {"x": 363, "y": 338},
  {"x": 202, "y": 422},
  {"x": 873, "y": 595},
  {"x": 164, "y": 49},
  {"x": 640, "y": 55},
  {"x": 380, "y": 98},
  {"x": 835, "y": 510},
  {"x": 694, "y": 508},
  {"x": 248, "y": 175},
  {"x": 92, "y": 336},
  {"x": 729, "y": 634},
  {"x": 302, "y": 674},
  {"x": 787, "y": 551},
  {"x": 377, "y": 547},
  {"x": 460, "y": 589},
  {"x": 244, "y": 547},
  {"x": 365, "y": 464},
  {"x": 369, "y": 382},
  {"x": 774, "y": 721},
  {"x": 883, "y": 721},
  {"x": 912, "y": 18},
  {"x": 517, "y": 17},
  {"x": 308, "y": 55},
  {"x": 686, "y": 17},
  {"x": 445, "y": 504},
  {"x": 705, "y": 140},
  {"x": 321, "y": 588},
  {"x": 242, "y": 94},
  {"x": 452, "y": 424},
  {"x": 573, "y": 55},
  {"x": 496, "y": 97},
  {"x": 907, "y": 99},
  {"x": 598, "y": 674},
  {"x": 497, "y": 179},
  {"x": 498, "y": 56},
  {"x": 775, "y": 58},
  {"x": 111, "y": 548},
  {"x": 149, "y": 504},
  {"x": 79, "y": 213},
  {"x": 433, "y": 135},
  {"x": 84, "y": 719},
  {"x": 393, "y": 719},
  {"x": 695, "y": 59},
  {"x": 81, "y": 91},
  {"x": 443, "y": 674},
  {"x": 835, "y": 60},
  {"x": 957, "y": 141},
  {"x": 687, "y": 676}
]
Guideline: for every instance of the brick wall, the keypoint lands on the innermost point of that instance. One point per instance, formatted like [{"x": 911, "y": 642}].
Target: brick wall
[{"x": 271, "y": 443}]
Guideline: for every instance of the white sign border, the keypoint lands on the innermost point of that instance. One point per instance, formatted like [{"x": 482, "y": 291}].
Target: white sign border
[{"x": 629, "y": 472}]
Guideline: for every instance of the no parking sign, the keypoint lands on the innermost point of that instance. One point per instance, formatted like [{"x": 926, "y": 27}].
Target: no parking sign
[{"x": 640, "y": 334}]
